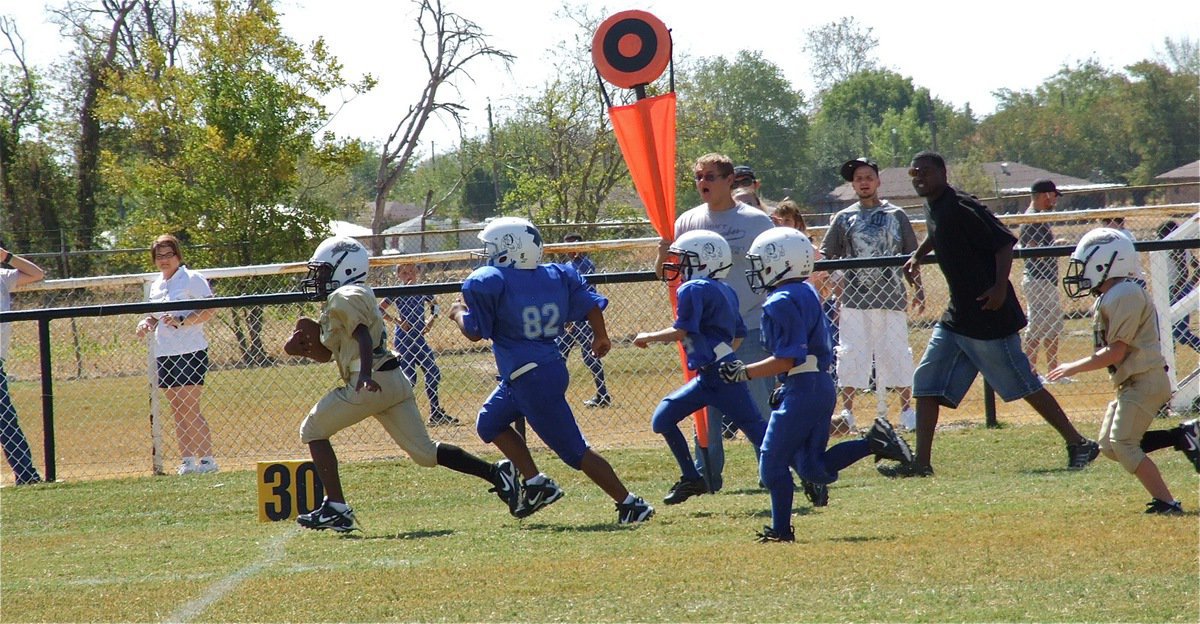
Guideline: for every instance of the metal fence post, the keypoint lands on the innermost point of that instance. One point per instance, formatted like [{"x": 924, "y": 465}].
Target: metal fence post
[{"x": 47, "y": 398}]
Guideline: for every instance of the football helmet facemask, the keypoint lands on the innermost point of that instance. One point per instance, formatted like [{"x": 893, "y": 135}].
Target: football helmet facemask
[
  {"x": 337, "y": 261},
  {"x": 1101, "y": 254},
  {"x": 780, "y": 253},
  {"x": 511, "y": 242},
  {"x": 698, "y": 253}
]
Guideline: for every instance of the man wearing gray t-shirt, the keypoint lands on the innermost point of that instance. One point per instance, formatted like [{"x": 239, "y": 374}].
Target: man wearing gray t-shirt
[
  {"x": 738, "y": 224},
  {"x": 872, "y": 323}
]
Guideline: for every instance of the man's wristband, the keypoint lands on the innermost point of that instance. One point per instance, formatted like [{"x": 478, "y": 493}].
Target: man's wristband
[{"x": 7, "y": 256}]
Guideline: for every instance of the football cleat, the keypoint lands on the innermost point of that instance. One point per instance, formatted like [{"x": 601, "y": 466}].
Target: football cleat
[
  {"x": 887, "y": 444},
  {"x": 206, "y": 465},
  {"x": 535, "y": 497},
  {"x": 440, "y": 418},
  {"x": 635, "y": 512},
  {"x": 685, "y": 489},
  {"x": 904, "y": 471},
  {"x": 326, "y": 517},
  {"x": 816, "y": 493},
  {"x": 507, "y": 484},
  {"x": 1082, "y": 454},
  {"x": 769, "y": 535},
  {"x": 1189, "y": 441},
  {"x": 599, "y": 401},
  {"x": 1164, "y": 508}
]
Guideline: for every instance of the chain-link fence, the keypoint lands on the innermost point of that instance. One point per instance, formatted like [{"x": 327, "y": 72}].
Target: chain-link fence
[{"x": 254, "y": 395}]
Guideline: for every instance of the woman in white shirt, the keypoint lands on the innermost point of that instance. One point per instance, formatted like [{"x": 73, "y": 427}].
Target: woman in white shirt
[{"x": 181, "y": 351}]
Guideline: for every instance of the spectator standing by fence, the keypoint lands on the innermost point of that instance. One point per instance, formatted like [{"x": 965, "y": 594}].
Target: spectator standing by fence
[
  {"x": 978, "y": 332},
  {"x": 14, "y": 271},
  {"x": 408, "y": 314},
  {"x": 1040, "y": 280},
  {"x": 581, "y": 333},
  {"x": 738, "y": 224},
  {"x": 872, "y": 323},
  {"x": 181, "y": 352}
]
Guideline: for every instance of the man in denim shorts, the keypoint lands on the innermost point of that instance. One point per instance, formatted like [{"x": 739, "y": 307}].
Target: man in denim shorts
[{"x": 978, "y": 332}]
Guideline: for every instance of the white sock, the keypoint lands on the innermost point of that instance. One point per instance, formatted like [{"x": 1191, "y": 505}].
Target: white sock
[
  {"x": 338, "y": 506},
  {"x": 629, "y": 499},
  {"x": 536, "y": 479}
]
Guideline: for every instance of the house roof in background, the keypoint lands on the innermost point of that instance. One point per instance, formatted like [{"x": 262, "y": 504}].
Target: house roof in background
[{"x": 1190, "y": 171}]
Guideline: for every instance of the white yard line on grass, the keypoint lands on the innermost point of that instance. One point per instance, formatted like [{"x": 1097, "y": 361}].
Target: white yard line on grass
[{"x": 273, "y": 553}]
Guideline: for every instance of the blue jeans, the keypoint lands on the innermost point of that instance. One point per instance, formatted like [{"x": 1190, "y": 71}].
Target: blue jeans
[
  {"x": 750, "y": 351},
  {"x": 12, "y": 438},
  {"x": 952, "y": 361}
]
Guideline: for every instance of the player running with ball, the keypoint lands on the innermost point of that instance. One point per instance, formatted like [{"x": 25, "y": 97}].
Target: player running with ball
[
  {"x": 796, "y": 334},
  {"x": 351, "y": 332}
]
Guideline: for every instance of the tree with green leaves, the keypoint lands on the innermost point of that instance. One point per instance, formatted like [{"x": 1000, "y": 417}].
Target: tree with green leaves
[
  {"x": 746, "y": 109},
  {"x": 838, "y": 50},
  {"x": 216, "y": 139}
]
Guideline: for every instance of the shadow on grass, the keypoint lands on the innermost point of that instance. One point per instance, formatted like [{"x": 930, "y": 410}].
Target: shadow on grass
[
  {"x": 582, "y": 528},
  {"x": 407, "y": 535}
]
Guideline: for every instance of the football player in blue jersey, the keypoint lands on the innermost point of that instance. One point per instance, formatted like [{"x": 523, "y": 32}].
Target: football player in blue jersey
[
  {"x": 708, "y": 324},
  {"x": 408, "y": 313},
  {"x": 521, "y": 306},
  {"x": 796, "y": 334}
]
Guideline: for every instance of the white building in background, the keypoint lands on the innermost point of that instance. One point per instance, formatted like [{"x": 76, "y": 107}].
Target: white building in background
[
  {"x": 407, "y": 238},
  {"x": 346, "y": 228}
]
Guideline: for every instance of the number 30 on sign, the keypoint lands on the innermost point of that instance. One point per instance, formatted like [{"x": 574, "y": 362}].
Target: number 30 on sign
[{"x": 287, "y": 489}]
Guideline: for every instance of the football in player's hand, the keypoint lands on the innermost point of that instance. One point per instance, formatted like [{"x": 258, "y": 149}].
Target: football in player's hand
[{"x": 305, "y": 340}]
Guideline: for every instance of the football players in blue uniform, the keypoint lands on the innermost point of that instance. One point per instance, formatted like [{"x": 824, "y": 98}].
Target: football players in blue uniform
[
  {"x": 521, "y": 306},
  {"x": 709, "y": 326},
  {"x": 351, "y": 333},
  {"x": 796, "y": 334}
]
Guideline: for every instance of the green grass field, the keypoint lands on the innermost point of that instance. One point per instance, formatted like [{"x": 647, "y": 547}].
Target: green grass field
[{"x": 1003, "y": 533}]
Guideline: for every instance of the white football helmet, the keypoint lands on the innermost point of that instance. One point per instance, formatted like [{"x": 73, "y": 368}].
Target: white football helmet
[
  {"x": 338, "y": 261},
  {"x": 511, "y": 242},
  {"x": 1101, "y": 254},
  {"x": 698, "y": 253},
  {"x": 780, "y": 253}
]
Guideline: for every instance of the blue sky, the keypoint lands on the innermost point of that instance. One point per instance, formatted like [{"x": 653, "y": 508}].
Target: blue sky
[{"x": 1015, "y": 44}]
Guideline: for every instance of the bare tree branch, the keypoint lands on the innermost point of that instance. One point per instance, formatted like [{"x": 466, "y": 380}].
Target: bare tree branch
[{"x": 448, "y": 43}]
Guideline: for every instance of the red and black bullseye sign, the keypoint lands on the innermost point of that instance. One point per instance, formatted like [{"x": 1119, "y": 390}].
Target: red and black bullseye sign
[{"x": 631, "y": 48}]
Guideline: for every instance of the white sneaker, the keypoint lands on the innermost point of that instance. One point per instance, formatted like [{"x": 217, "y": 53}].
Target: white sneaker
[
  {"x": 842, "y": 424},
  {"x": 206, "y": 465},
  {"x": 187, "y": 466},
  {"x": 908, "y": 419}
]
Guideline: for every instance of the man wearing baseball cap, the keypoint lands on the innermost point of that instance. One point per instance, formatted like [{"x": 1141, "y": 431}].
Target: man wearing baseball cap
[
  {"x": 1039, "y": 280},
  {"x": 872, "y": 323}
]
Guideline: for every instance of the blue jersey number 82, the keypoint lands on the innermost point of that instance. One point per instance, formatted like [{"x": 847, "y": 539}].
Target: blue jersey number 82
[{"x": 540, "y": 323}]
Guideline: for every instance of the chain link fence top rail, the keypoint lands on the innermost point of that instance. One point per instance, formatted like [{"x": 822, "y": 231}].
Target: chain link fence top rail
[{"x": 255, "y": 396}]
